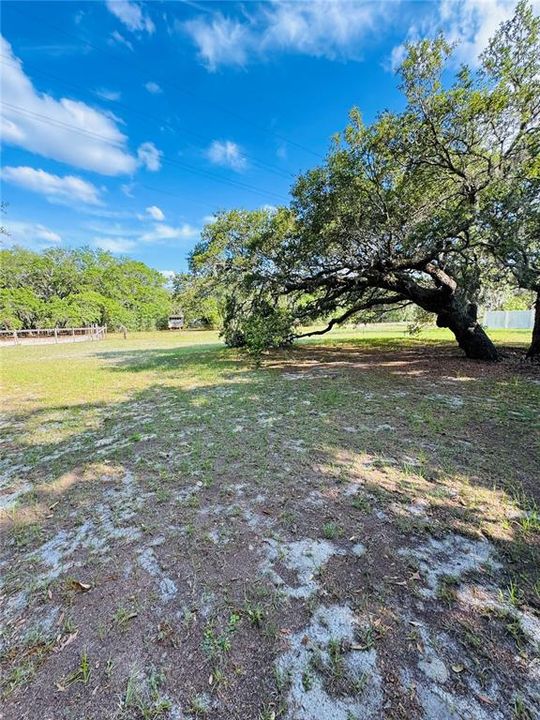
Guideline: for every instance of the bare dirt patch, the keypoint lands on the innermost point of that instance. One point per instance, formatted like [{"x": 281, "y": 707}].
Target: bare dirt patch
[{"x": 346, "y": 533}]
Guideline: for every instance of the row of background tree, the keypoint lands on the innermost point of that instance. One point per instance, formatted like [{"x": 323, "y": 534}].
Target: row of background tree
[{"x": 79, "y": 287}]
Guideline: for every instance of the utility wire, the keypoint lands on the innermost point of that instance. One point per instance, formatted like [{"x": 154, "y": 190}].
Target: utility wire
[
  {"x": 6, "y": 60},
  {"x": 88, "y": 133},
  {"x": 179, "y": 88}
]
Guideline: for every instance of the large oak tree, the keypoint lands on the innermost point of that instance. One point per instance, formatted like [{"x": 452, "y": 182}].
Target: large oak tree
[{"x": 402, "y": 209}]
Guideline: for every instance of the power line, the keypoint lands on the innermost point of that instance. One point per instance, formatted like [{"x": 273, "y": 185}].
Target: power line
[
  {"x": 262, "y": 164},
  {"x": 88, "y": 133},
  {"x": 181, "y": 89}
]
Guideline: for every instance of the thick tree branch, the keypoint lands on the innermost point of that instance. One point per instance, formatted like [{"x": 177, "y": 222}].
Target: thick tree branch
[{"x": 392, "y": 299}]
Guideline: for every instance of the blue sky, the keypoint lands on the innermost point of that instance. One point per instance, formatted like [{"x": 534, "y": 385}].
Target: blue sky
[{"x": 126, "y": 125}]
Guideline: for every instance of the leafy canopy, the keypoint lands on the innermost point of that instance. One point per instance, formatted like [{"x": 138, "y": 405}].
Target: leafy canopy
[
  {"x": 67, "y": 288},
  {"x": 403, "y": 210}
]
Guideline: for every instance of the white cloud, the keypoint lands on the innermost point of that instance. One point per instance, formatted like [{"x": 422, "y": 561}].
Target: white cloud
[
  {"x": 127, "y": 189},
  {"x": 227, "y": 154},
  {"x": 114, "y": 245},
  {"x": 318, "y": 28},
  {"x": 119, "y": 237},
  {"x": 149, "y": 156},
  {"x": 111, "y": 95},
  {"x": 469, "y": 24},
  {"x": 397, "y": 56},
  {"x": 220, "y": 40},
  {"x": 116, "y": 230},
  {"x": 155, "y": 213},
  {"x": 281, "y": 151},
  {"x": 102, "y": 212},
  {"x": 153, "y": 88},
  {"x": 31, "y": 235},
  {"x": 119, "y": 39},
  {"x": 39, "y": 123},
  {"x": 169, "y": 276},
  {"x": 164, "y": 233},
  {"x": 65, "y": 189},
  {"x": 131, "y": 15}
]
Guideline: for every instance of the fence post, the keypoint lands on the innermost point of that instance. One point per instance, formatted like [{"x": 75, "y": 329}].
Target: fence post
[{"x": 91, "y": 332}]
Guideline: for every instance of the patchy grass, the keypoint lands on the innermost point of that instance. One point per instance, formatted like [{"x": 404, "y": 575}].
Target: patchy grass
[{"x": 350, "y": 530}]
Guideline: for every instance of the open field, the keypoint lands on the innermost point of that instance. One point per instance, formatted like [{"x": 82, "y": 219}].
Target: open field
[{"x": 350, "y": 531}]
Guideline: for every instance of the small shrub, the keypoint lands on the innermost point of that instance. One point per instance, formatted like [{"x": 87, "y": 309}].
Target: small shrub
[
  {"x": 263, "y": 327},
  {"x": 330, "y": 530}
]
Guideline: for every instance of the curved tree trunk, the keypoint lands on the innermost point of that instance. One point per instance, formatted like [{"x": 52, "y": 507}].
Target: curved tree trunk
[
  {"x": 534, "y": 349},
  {"x": 451, "y": 311},
  {"x": 470, "y": 335}
]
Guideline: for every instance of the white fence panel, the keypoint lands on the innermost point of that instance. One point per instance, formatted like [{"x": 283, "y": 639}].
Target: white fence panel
[{"x": 510, "y": 319}]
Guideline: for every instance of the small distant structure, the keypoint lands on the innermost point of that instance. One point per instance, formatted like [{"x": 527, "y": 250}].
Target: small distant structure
[{"x": 176, "y": 322}]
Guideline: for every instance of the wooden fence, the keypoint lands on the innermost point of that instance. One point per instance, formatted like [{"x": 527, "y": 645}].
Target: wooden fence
[{"x": 43, "y": 336}]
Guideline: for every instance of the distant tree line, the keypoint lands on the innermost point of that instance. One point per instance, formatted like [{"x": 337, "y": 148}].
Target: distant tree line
[
  {"x": 429, "y": 207},
  {"x": 75, "y": 288}
]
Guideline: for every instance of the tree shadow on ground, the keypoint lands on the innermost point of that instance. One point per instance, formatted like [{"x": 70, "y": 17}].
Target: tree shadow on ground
[
  {"x": 338, "y": 442},
  {"x": 310, "y": 408},
  {"x": 170, "y": 358}
]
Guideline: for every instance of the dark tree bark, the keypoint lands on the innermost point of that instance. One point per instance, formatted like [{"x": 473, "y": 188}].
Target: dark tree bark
[
  {"x": 468, "y": 332},
  {"x": 534, "y": 349},
  {"x": 451, "y": 312},
  {"x": 443, "y": 299}
]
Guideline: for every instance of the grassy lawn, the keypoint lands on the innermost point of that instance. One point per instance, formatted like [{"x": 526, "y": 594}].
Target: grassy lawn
[{"x": 349, "y": 531}]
